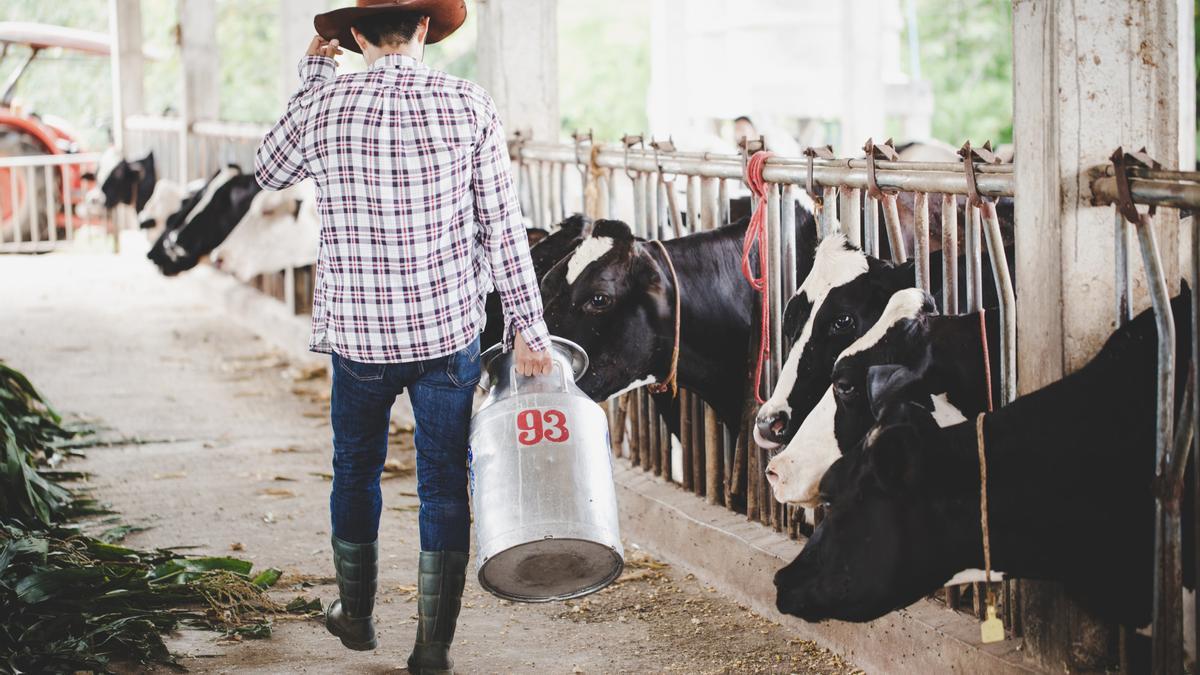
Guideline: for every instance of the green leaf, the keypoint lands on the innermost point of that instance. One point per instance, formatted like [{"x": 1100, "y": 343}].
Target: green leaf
[{"x": 267, "y": 577}]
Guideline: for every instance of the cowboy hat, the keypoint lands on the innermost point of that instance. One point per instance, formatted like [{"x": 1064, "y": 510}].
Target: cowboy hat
[{"x": 445, "y": 16}]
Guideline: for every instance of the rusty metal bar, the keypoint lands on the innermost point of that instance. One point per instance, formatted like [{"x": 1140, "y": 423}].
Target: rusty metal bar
[
  {"x": 827, "y": 213},
  {"x": 685, "y": 438},
  {"x": 921, "y": 240},
  {"x": 775, "y": 282},
  {"x": 1008, "y": 302},
  {"x": 787, "y": 224},
  {"x": 974, "y": 254},
  {"x": 949, "y": 255},
  {"x": 713, "y": 489},
  {"x": 891, "y": 219},
  {"x": 870, "y": 238},
  {"x": 723, "y": 201},
  {"x": 851, "y": 214}
]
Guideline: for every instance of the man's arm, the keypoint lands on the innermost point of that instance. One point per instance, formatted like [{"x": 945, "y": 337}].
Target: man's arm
[
  {"x": 279, "y": 161},
  {"x": 498, "y": 214}
]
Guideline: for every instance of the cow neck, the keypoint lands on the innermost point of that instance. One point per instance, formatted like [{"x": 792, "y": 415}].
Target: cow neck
[
  {"x": 715, "y": 305},
  {"x": 1054, "y": 457},
  {"x": 957, "y": 358}
]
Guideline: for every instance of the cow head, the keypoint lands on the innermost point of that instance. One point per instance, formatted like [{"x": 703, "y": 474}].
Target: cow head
[
  {"x": 899, "y": 522},
  {"x": 613, "y": 298},
  {"x": 206, "y": 220},
  {"x": 843, "y": 414},
  {"x": 129, "y": 183},
  {"x": 841, "y": 298}
]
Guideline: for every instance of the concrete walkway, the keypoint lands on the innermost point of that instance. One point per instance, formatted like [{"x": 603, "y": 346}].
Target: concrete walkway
[{"x": 232, "y": 456}]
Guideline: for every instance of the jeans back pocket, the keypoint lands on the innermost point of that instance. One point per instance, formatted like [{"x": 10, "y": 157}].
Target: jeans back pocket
[{"x": 463, "y": 367}]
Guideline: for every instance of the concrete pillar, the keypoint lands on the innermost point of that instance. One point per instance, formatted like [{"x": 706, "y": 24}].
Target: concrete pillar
[
  {"x": 1089, "y": 76},
  {"x": 295, "y": 32},
  {"x": 125, "y": 27},
  {"x": 201, "y": 74},
  {"x": 517, "y": 51}
]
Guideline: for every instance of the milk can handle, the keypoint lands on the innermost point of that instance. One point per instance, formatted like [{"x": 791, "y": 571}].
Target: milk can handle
[{"x": 517, "y": 377}]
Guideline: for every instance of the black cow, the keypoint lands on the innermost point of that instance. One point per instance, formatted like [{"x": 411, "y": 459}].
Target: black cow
[
  {"x": 1068, "y": 466},
  {"x": 908, "y": 337},
  {"x": 130, "y": 183},
  {"x": 545, "y": 250},
  {"x": 204, "y": 221},
  {"x": 615, "y": 297},
  {"x": 842, "y": 298}
]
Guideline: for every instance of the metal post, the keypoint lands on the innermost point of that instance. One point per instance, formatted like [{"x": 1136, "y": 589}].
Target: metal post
[
  {"x": 870, "y": 237},
  {"x": 921, "y": 239},
  {"x": 891, "y": 218},
  {"x": 775, "y": 281},
  {"x": 851, "y": 215},
  {"x": 1008, "y": 302},
  {"x": 949, "y": 254},
  {"x": 974, "y": 253}
]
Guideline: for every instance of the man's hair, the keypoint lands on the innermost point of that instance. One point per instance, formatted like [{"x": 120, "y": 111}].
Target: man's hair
[
  {"x": 743, "y": 118},
  {"x": 391, "y": 28}
]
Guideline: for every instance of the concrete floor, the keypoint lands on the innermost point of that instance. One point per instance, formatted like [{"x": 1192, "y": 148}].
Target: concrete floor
[{"x": 232, "y": 457}]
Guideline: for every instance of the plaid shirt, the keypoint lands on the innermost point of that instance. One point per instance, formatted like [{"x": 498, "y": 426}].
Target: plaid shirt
[{"x": 418, "y": 212}]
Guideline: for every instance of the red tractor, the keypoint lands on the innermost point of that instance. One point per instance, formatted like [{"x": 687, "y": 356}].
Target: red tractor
[{"x": 23, "y": 133}]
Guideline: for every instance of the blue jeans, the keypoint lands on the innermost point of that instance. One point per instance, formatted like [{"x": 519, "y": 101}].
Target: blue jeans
[{"x": 441, "y": 391}]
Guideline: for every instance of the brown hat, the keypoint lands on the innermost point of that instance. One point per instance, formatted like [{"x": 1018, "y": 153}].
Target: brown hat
[{"x": 445, "y": 16}]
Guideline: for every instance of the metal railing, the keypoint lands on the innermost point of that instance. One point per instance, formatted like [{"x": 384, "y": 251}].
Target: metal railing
[
  {"x": 183, "y": 156},
  {"x": 41, "y": 198},
  {"x": 1132, "y": 179}
]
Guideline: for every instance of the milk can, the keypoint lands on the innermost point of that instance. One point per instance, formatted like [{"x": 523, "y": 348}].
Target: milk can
[{"x": 541, "y": 479}]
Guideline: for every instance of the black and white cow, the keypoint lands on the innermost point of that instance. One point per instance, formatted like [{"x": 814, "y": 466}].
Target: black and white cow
[
  {"x": 1070, "y": 493},
  {"x": 204, "y": 221},
  {"x": 545, "y": 250},
  {"x": 841, "y": 299},
  {"x": 129, "y": 182},
  {"x": 909, "y": 337},
  {"x": 615, "y": 297}
]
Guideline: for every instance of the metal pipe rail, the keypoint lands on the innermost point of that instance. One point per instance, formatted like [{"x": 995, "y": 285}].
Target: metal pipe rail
[
  {"x": 1133, "y": 179},
  {"x": 42, "y": 194}
]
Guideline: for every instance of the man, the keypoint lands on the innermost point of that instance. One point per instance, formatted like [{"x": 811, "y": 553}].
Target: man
[{"x": 418, "y": 219}]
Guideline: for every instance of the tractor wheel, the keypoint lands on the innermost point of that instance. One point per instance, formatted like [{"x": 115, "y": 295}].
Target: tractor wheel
[{"x": 17, "y": 223}]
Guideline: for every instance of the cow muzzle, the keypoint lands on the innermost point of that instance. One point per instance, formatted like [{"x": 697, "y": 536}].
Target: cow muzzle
[{"x": 770, "y": 430}]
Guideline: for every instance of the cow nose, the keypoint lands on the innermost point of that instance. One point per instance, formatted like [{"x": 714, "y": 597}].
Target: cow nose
[
  {"x": 771, "y": 427},
  {"x": 772, "y": 477}
]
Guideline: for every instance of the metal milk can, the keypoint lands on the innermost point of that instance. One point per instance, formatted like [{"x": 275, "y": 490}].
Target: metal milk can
[{"x": 541, "y": 478}]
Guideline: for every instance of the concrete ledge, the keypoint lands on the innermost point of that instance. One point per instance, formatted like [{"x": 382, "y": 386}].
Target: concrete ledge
[{"x": 740, "y": 558}]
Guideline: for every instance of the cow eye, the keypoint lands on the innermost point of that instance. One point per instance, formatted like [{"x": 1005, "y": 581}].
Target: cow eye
[
  {"x": 843, "y": 389},
  {"x": 598, "y": 302},
  {"x": 842, "y": 324}
]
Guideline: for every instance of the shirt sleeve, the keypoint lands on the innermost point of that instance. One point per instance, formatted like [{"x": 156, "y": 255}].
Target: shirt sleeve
[
  {"x": 279, "y": 161},
  {"x": 498, "y": 215}
]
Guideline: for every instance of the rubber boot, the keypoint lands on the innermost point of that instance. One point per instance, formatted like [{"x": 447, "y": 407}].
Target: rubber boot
[
  {"x": 439, "y": 598},
  {"x": 349, "y": 617}
]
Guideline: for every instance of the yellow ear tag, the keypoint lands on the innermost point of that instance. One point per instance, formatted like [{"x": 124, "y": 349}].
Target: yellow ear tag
[{"x": 992, "y": 629}]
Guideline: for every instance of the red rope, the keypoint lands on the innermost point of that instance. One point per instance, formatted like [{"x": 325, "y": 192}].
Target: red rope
[
  {"x": 756, "y": 232},
  {"x": 987, "y": 359}
]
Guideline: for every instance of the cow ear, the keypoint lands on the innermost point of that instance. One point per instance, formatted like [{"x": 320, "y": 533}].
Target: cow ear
[
  {"x": 894, "y": 454},
  {"x": 535, "y": 235},
  {"x": 886, "y": 384},
  {"x": 653, "y": 278},
  {"x": 791, "y": 317}
]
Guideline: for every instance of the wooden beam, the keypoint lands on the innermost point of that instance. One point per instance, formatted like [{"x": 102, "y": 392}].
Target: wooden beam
[
  {"x": 517, "y": 60},
  {"x": 125, "y": 26},
  {"x": 201, "y": 101},
  {"x": 1089, "y": 76}
]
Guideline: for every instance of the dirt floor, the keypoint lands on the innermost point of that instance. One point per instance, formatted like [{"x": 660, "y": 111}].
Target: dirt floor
[{"x": 221, "y": 444}]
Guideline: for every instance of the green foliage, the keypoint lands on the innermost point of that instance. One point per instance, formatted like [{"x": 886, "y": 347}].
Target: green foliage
[
  {"x": 966, "y": 53},
  {"x": 73, "y": 602},
  {"x": 603, "y": 67}
]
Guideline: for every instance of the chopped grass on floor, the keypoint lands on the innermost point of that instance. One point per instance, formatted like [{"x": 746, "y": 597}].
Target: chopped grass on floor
[{"x": 69, "y": 601}]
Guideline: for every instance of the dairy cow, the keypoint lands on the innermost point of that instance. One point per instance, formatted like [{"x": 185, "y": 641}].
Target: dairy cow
[
  {"x": 204, "y": 221},
  {"x": 948, "y": 352},
  {"x": 1069, "y": 467}
]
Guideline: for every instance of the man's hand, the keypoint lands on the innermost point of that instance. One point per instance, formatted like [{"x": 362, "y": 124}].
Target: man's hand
[
  {"x": 320, "y": 47},
  {"x": 529, "y": 362}
]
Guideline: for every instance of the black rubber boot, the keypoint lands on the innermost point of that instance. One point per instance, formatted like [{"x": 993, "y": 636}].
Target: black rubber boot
[
  {"x": 349, "y": 617},
  {"x": 439, "y": 597}
]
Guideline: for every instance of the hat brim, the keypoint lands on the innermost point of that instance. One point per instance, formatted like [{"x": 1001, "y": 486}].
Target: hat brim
[{"x": 445, "y": 17}]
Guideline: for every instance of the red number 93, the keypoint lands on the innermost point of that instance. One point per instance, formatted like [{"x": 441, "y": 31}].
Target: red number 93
[{"x": 535, "y": 426}]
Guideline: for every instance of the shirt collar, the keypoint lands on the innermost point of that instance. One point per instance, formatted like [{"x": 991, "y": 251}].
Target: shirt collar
[{"x": 396, "y": 61}]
